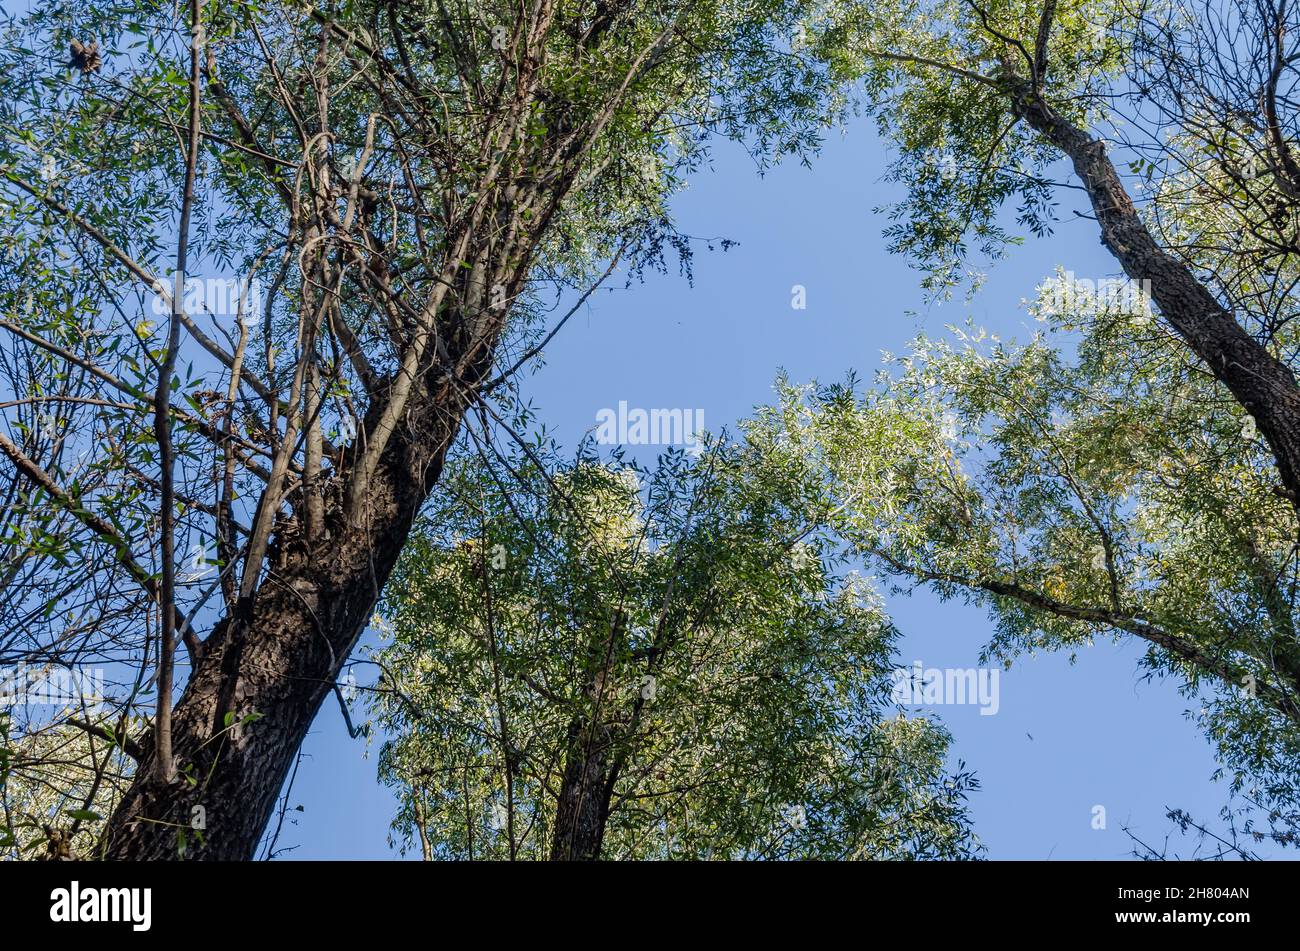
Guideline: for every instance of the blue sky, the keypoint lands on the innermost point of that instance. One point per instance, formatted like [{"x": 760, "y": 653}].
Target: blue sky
[{"x": 1066, "y": 738}]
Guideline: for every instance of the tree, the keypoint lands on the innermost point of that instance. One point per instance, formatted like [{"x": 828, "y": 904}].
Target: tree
[
  {"x": 397, "y": 188},
  {"x": 584, "y": 666},
  {"x": 1199, "y": 102},
  {"x": 1075, "y": 511},
  {"x": 1120, "y": 492}
]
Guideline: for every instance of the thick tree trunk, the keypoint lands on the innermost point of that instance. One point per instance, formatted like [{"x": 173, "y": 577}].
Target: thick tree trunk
[
  {"x": 585, "y": 793},
  {"x": 1263, "y": 385},
  {"x": 275, "y": 661},
  {"x": 591, "y": 763}
]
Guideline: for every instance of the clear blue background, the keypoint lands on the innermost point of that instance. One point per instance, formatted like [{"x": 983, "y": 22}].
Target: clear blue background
[{"x": 1100, "y": 734}]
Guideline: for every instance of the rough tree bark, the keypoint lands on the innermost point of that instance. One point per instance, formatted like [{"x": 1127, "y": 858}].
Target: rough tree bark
[
  {"x": 278, "y": 658},
  {"x": 591, "y": 760},
  {"x": 585, "y": 793}
]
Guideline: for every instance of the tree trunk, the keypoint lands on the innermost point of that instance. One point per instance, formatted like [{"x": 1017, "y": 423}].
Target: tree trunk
[
  {"x": 590, "y": 764},
  {"x": 274, "y": 661},
  {"x": 585, "y": 793},
  {"x": 1263, "y": 385}
]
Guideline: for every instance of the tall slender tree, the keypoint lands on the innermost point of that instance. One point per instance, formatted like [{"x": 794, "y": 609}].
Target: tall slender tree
[
  {"x": 1179, "y": 125},
  {"x": 587, "y": 661}
]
